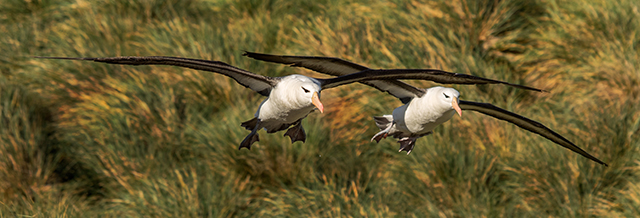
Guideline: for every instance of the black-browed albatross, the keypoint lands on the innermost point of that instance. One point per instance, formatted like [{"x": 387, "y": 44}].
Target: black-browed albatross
[
  {"x": 423, "y": 109},
  {"x": 290, "y": 98}
]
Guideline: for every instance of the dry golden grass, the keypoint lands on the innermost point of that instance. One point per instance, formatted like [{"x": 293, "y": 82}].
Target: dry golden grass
[{"x": 82, "y": 139}]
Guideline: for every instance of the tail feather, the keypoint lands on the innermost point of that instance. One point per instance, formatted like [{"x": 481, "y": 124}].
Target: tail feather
[
  {"x": 250, "y": 124},
  {"x": 384, "y": 121}
]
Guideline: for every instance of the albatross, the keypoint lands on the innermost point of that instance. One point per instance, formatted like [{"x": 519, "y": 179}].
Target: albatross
[
  {"x": 423, "y": 109},
  {"x": 290, "y": 98}
]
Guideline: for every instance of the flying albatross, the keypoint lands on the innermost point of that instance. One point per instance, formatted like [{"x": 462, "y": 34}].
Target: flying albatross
[
  {"x": 423, "y": 109},
  {"x": 290, "y": 98}
]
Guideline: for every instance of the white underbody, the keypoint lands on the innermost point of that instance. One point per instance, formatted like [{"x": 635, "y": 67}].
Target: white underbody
[
  {"x": 420, "y": 116},
  {"x": 272, "y": 113},
  {"x": 283, "y": 106}
]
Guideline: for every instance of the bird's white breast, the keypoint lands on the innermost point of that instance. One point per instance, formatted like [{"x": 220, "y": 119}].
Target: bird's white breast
[
  {"x": 421, "y": 115},
  {"x": 284, "y": 104}
]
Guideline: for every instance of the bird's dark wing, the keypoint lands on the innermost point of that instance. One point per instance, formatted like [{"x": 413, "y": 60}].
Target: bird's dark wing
[
  {"x": 326, "y": 65},
  {"x": 339, "y": 67},
  {"x": 437, "y": 76},
  {"x": 527, "y": 124},
  {"x": 258, "y": 83}
]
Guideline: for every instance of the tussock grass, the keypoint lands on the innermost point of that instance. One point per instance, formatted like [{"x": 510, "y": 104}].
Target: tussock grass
[{"x": 82, "y": 139}]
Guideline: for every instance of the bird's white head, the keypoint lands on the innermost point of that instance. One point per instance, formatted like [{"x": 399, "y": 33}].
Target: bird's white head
[
  {"x": 448, "y": 96},
  {"x": 305, "y": 90}
]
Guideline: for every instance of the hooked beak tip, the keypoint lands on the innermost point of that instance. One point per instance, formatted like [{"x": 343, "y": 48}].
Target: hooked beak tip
[
  {"x": 315, "y": 100},
  {"x": 456, "y": 107}
]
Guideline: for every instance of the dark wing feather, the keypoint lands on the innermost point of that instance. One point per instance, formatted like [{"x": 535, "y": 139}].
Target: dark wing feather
[
  {"x": 527, "y": 124},
  {"x": 258, "y": 83},
  {"x": 339, "y": 67},
  {"x": 437, "y": 76},
  {"x": 326, "y": 65}
]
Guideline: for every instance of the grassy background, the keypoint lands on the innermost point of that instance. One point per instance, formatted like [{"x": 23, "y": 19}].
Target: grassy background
[{"x": 80, "y": 139}]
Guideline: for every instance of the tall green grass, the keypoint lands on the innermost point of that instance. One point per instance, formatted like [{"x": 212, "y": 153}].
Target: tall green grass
[{"x": 82, "y": 139}]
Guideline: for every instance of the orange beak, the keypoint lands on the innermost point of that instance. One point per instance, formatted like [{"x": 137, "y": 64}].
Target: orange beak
[
  {"x": 455, "y": 105},
  {"x": 316, "y": 101}
]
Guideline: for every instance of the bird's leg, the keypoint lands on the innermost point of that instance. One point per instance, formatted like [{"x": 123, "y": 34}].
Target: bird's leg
[
  {"x": 296, "y": 133},
  {"x": 383, "y": 134},
  {"x": 251, "y": 138}
]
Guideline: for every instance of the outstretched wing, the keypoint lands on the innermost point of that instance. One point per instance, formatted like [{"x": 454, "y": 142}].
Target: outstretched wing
[
  {"x": 437, "y": 76},
  {"x": 339, "y": 67},
  {"x": 527, "y": 124},
  {"x": 258, "y": 83}
]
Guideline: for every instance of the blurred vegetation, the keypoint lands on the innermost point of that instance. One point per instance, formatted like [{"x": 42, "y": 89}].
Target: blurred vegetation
[{"x": 81, "y": 139}]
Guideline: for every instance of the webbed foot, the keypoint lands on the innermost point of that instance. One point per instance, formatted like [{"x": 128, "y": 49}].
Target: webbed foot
[
  {"x": 249, "y": 140},
  {"x": 253, "y": 136},
  {"x": 296, "y": 133},
  {"x": 406, "y": 144}
]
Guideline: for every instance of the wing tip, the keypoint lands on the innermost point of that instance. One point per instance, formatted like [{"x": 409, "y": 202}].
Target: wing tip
[
  {"x": 270, "y": 58},
  {"x": 529, "y": 88},
  {"x": 255, "y": 55},
  {"x": 601, "y": 162},
  {"x": 594, "y": 159},
  {"x": 62, "y": 58},
  {"x": 541, "y": 90}
]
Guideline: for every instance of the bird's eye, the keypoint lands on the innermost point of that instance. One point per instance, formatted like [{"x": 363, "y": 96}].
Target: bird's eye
[
  {"x": 305, "y": 90},
  {"x": 445, "y": 95}
]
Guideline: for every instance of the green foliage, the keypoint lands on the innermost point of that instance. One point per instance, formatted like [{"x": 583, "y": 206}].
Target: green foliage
[{"x": 82, "y": 139}]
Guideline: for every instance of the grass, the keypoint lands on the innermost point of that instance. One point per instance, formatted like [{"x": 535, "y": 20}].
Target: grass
[{"x": 82, "y": 139}]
